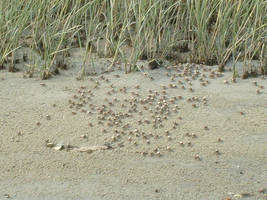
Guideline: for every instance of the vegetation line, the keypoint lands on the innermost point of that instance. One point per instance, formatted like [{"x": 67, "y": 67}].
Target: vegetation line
[{"x": 206, "y": 32}]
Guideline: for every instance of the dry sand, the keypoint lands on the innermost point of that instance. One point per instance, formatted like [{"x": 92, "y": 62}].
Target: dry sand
[{"x": 234, "y": 115}]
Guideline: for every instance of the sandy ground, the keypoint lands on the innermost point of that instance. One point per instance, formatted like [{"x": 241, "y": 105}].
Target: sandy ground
[{"x": 209, "y": 143}]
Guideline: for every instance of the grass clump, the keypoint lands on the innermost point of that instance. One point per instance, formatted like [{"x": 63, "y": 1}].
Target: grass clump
[{"x": 208, "y": 32}]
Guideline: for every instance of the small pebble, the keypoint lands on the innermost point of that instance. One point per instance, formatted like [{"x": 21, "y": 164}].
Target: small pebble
[
  {"x": 84, "y": 136},
  {"x": 217, "y": 152},
  {"x": 50, "y": 144},
  {"x": 197, "y": 157},
  {"x": 158, "y": 154},
  {"x": 7, "y": 196},
  {"x": 58, "y": 147}
]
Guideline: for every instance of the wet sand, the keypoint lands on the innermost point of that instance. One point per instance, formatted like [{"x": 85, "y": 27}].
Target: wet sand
[{"x": 164, "y": 141}]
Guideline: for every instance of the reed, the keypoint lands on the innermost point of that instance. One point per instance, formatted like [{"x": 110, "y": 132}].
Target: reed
[{"x": 210, "y": 31}]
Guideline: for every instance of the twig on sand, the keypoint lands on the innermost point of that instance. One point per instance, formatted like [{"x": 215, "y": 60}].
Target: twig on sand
[{"x": 90, "y": 149}]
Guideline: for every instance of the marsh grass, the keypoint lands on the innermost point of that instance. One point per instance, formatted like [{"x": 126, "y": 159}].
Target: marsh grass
[{"x": 210, "y": 31}]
